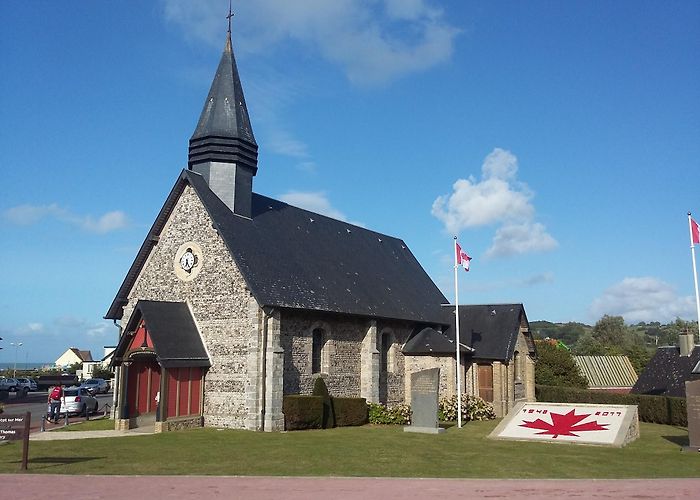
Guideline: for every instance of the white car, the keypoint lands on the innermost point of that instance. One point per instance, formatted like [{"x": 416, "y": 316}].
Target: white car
[{"x": 76, "y": 401}]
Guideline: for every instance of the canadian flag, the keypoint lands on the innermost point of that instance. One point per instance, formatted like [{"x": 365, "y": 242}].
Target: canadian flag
[
  {"x": 462, "y": 257},
  {"x": 694, "y": 232}
]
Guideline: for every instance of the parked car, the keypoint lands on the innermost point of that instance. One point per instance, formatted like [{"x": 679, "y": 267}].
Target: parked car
[
  {"x": 8, "y": 384},
  {"x": 96, "y": 385},
  {"x": 77, "y": 401},
  {"x": 27, "y": 383}
]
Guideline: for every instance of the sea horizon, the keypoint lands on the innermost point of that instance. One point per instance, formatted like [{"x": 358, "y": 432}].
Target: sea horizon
[{"x": 26, "y": 366}]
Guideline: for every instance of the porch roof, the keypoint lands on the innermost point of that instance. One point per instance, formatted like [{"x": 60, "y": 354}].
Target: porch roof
[{"x": 172, "y": 329}]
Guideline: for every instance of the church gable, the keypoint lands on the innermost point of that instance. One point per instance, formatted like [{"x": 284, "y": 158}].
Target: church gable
[{"x": 191, "y": 264}]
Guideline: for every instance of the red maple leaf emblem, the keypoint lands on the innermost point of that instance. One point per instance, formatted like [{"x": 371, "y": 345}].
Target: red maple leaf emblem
[{"x": 565, "y": 424}]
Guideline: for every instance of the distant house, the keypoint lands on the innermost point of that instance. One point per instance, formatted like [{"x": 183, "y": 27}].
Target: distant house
[
  {"x": 607, "y": 373},
  {"x": 89, "y": 367},
  {"x": 71, "y": 356},
  {"x": 670, "y": 368}
]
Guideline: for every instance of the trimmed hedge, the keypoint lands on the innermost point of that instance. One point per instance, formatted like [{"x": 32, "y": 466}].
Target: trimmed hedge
[
  {"x": 302, "y": 412},
  {"x": 321, "y": 390},
  {"x": 350, "y": 411},
  {"x": 655, "y": 409},
  {"x": 310, "y": 412}
]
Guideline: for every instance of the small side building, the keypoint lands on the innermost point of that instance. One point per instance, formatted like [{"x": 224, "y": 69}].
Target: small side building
[
  {"x": 497, "y": 352},
  {"x": 607, "y": 373},
  {"x": 670, "y": 368}
]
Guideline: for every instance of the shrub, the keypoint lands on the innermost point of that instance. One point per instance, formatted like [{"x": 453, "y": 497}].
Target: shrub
[
  {"x": 381, "y": 414},
  {"x": 350, "y": 411},
  {"x": 556, "y": 366},
  {"x": 321, "y": 390},
  {"x": 302, "y": 412},
  {"x": 473, "y": 408},
  {"x": 655, "y": 409}
]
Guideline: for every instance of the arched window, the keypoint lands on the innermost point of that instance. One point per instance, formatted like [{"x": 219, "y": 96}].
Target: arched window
[
  {"x": 386, "y": 352},
  {"x": 317, "y": 342}
]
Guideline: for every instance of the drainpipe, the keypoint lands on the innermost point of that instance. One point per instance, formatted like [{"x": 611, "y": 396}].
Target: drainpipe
[{"x": 263, "y": 369}]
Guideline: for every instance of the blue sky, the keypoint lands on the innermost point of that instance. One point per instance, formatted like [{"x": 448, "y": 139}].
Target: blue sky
[{"x": 559, "y": 140}]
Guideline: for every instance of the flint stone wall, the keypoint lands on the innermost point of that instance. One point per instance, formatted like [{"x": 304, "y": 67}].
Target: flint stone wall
[
  {"x": 341, "y": 359},
  {"x": 223, "y": 308}
]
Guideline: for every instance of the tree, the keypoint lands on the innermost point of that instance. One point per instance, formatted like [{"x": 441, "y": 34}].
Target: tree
[
  {"x": 611, "y": 330},
  {"x": 556, "y": 366},
  {"x": 589, "y": 346},
  {"x": 102, "y": 372}
]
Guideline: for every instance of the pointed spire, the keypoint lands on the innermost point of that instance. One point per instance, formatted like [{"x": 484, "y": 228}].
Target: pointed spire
[
  {"x": 222, "y": 149},
  {"x": 224, "y": 133}
]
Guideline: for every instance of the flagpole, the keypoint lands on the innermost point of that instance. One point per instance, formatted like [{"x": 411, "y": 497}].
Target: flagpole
[
  {"x": 695, "y": 271},
  {"x": 459, "y": 364}
]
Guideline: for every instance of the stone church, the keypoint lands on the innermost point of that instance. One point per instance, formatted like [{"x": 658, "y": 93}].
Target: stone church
[{"x": 235, "y": 300}]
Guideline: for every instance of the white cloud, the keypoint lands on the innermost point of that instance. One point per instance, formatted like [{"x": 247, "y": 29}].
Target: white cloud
[
  {"x": 516, "y": 239},
  {"x": 373, "y": 42},
  {"x": 315, "y": 202},
  {"x": 537, "y": 279},
  {"x": 24, "y": 215},
  {"x": 282, "y": 142},
  {"x": 497, "y": 198},
  {"x": 493, "y": 199},
  {"x": 643, "y": 299}
]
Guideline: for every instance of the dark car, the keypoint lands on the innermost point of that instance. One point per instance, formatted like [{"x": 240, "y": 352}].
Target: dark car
[{"x": 96, "y": 385}]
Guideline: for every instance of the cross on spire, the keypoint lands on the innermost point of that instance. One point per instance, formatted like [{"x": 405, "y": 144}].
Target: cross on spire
[{"x": 230, "y": 15}]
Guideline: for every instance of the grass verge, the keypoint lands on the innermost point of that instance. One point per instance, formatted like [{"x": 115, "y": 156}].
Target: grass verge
[
  {"x": 359, "y": 451},
  {"x": 99, "y": 424}
]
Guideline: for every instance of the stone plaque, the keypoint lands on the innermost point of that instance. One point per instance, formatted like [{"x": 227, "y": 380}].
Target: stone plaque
[
  {"x": 424, "y": 402},
  {"x": 602, "y": 425},
  {"x": 692, "y": 400}
]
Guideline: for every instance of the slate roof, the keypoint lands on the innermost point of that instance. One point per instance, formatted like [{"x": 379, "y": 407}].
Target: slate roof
[
  {"x": 607, "y": 372},
  {"x": 224, "y": 132},
  {"x": 428, "y": 341},
  {"x": 490, "y": 329},
  {"x": 293, "y": 258},
  {"x": 172, "y": 329},
  {"x": 667, "y": 372}
]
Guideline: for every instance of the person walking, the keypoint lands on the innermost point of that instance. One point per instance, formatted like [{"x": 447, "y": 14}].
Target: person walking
[{"x": 55, "y": 397}]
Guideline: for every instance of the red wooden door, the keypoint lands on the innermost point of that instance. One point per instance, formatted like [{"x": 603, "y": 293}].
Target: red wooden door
[
  {"x": 143, "y": 385},
  {"x": 486, "y": 382}
]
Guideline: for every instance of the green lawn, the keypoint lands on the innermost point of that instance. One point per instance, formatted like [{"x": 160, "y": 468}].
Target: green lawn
[
  {"x": 99, "y": 424},
  {"x": 360, "y": 451}
]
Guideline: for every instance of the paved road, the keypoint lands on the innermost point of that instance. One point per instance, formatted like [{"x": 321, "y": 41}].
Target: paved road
[
  {"x": 57, "y": 487},
  {"x": 35, "y": 402}
]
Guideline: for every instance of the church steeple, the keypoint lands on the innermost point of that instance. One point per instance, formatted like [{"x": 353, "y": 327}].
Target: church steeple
[{"x": 223, "y": 148}]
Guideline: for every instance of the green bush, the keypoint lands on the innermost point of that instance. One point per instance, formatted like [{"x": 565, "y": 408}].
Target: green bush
[
  {"x": 473, "y": 408},
  {"x": 321, "y": 390},
  {"x": 381, "y": 414},
  {"x": 655, "y": 409},
  {"x": 302, "y": 412},
  {"x": 350, "y": 411}
]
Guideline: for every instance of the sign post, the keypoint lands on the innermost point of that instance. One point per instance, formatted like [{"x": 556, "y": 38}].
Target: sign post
[{"x": 14, "y": 428}]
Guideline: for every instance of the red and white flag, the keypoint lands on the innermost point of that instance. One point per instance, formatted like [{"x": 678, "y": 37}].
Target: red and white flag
[
  {"x": 694, "y": 232},
  {"x": 462, "y": 257}
]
